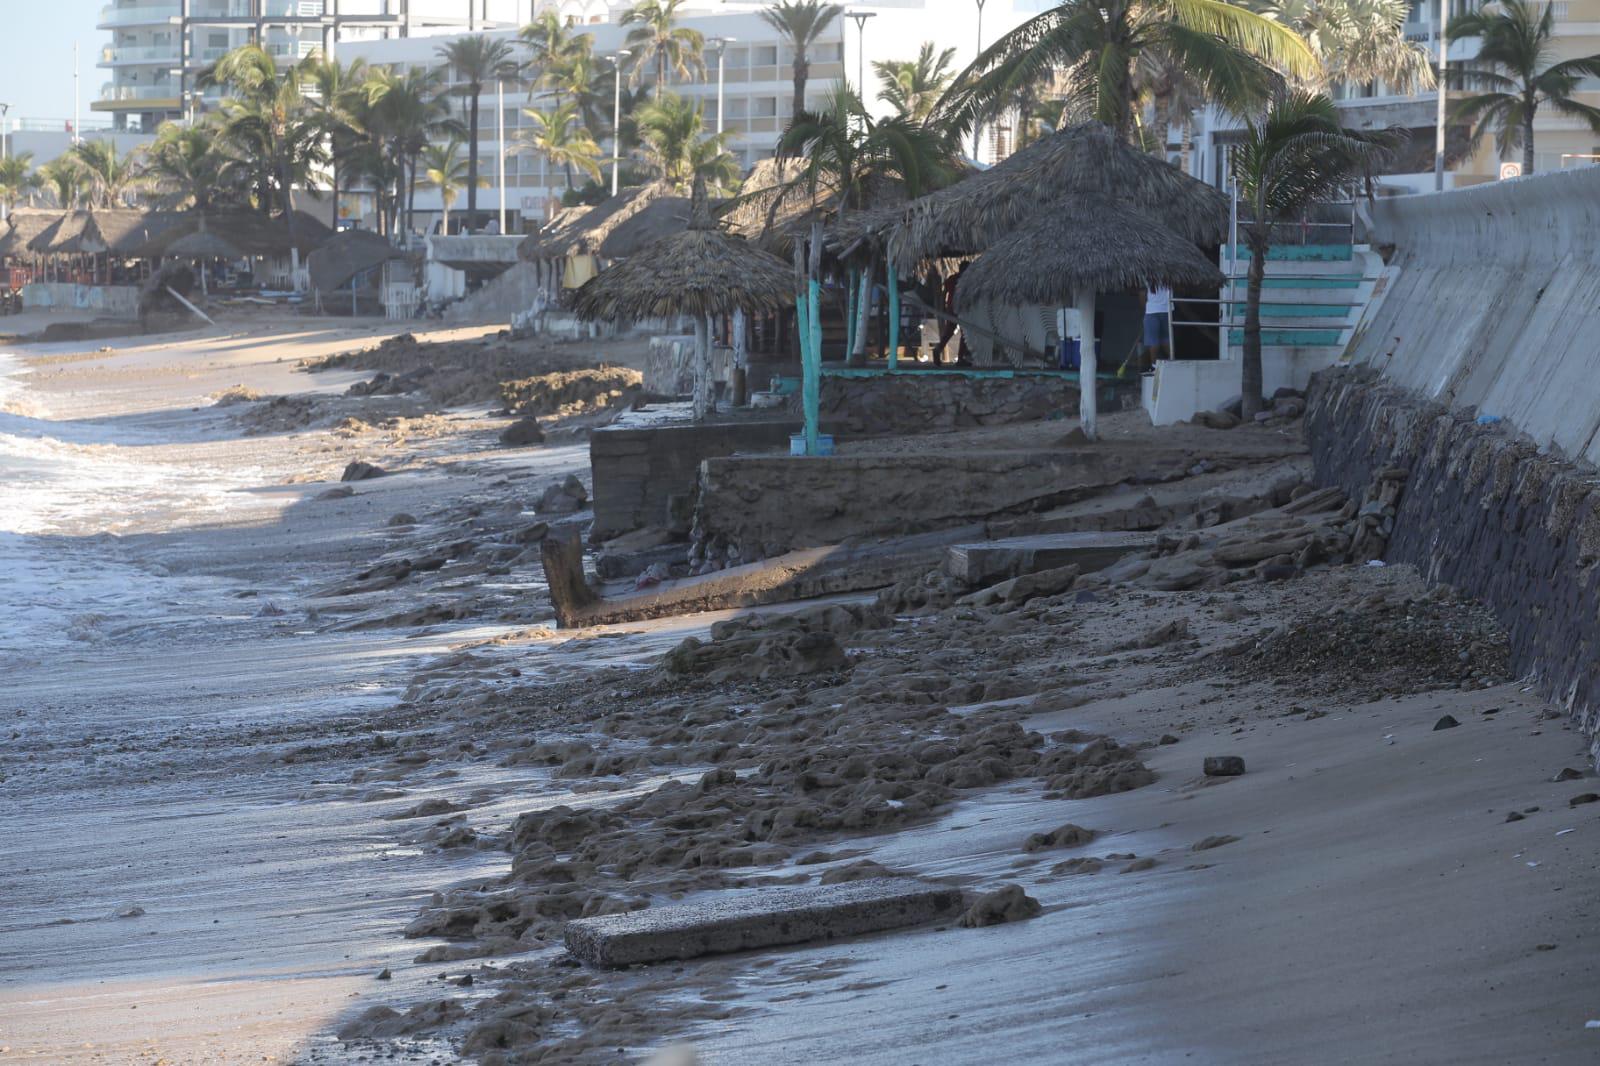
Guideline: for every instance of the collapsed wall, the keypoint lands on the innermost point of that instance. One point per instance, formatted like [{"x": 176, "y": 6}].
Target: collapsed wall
[{"x": 1477, "y": 377}]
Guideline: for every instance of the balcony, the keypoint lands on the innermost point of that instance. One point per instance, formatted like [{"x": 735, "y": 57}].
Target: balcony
[
  {"x": 128, "y": 55},
  {"x": 243, "y": 10},
  {"x": 126, "y": 93},
  {"x": 118, "y": 15}
]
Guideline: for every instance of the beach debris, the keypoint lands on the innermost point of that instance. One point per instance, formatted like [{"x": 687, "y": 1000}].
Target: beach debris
[
  {"x": 1446, "y": 722},
  {"x": 565, "y": 497},
  {"x": 338, "y": 492},
  {"x": 1583, "y": 798},
  {"x": 1567, "y": 773},
  {"x": 1139, "y": 866},
  {"x": 402, "y": 519},
  {"x": 128, "y": 910},
  {"x": 1066, "y": 836},
  {"x": 384, "y": 975},
  {"x": 522, "y": 432},
  {"x": 1008, "y": 903},
  {"x": 1083, "y": 864},
  {"x": 361, "y": 471},
  {"x": 1223, "y": 765},
  {"x": 760, "y": 919},
  {"x": 1216, "y": 841},
  {"x": 1513, "y": 816}
]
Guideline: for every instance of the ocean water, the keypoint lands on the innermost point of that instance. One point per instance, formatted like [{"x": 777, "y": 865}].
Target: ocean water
[{"x": 67, "y": 490}]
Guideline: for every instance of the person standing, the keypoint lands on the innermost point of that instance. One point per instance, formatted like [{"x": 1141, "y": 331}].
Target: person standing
[{"x": 1158, "y": 323}]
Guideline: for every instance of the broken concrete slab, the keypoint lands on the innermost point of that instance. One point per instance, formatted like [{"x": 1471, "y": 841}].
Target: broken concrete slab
[
  {"x": 985, "y": 562},
  {"x": 763, "y": 919}
]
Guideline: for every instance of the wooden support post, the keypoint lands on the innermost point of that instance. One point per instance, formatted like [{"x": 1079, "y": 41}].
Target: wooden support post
[
  {"x": 894, "y": 315},
  {"x": 811, "y": 396},
  {"x": 850, "y": 318},
  {"x": 1088, "y": 381}
]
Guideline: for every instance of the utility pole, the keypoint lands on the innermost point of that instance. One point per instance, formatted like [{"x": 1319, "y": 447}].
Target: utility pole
[
  {"x": 722, "y": 50},
  {"x": 616, "y": 117},
  {"x": 1438, "y": 133},
  {"x": 500, "y": 144}
]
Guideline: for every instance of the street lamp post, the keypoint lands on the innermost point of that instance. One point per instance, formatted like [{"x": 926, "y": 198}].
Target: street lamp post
[
  {"x": 500, "y": 144},
  {"x": 616, "y": 118},
  {"x": 861, "y": 18},
  {"x": 977, "y": 126},
  {"x": 722, "y": 51},
  {"x": 1438, "y": 133},
  {"x": 5, "y": 129}
]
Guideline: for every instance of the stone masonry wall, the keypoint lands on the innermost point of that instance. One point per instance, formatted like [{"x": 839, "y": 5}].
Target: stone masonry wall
[
  {"x": 1483, "y": 510},
  {"x": 934, "y": 400}
]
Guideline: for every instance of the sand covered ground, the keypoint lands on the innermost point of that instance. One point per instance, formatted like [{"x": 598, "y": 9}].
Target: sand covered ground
[{"x": 301, "y": 775}]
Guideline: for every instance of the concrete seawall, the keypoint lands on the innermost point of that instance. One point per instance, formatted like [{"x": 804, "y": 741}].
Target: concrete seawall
[
  {"x": 1477, "y": 375},
  {"x": 1495, "y": 303}
]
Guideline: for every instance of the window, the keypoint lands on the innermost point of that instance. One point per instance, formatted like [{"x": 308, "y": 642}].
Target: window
[
  {"x": 217, "y": 40},
  {"x": 764, "y": 107},
  {"x": 825, "y": 52},
  {"x": 764, "y": 55},
  {"x": 738, "y": 57}
]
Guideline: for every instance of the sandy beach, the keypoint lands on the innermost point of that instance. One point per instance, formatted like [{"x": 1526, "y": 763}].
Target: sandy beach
[{"x": 263, "y": 800}]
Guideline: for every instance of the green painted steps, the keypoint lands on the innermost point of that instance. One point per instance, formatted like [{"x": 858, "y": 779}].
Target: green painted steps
[
  {"x": 1305, "y": 253},
  {"x": 1273, "y": 310},
  {"x": 1291, "y": 338}
]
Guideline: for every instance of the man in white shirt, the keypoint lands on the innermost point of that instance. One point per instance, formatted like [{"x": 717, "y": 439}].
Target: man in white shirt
[{"x": 1157, "y": 323}]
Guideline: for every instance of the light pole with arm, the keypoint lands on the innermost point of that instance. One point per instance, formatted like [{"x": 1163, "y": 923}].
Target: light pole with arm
[
  {"x": 861, "y": 18},
  {"x": 5, "y": 129},
  {"x": 1438, "y": 133},
  {"x": 616, "y": 117},
  {"x": 722, "y": 51}
]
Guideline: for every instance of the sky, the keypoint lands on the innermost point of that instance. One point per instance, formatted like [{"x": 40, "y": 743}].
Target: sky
[{"x": 36, "y": 39}]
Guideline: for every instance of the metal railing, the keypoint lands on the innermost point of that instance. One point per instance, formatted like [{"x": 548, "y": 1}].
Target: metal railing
[{"x": 131, "y": 15}]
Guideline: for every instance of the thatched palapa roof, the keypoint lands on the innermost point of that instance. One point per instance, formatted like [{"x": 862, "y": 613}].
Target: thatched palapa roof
[
  {"x": 23, "y": 225},
  {"x": 54, "y": 237},
  {"x": 1088, "y": 159},
  {"x": 700, "y": 271},
  {"x": 249, "y": 233},
  {"x": 662, "y": 217},
  {"x": 345, "y": 255},
  {"x": 582, "y": 234},
  {"x": 203, "y": 244},
  {"x": 1087, "y": 242}
]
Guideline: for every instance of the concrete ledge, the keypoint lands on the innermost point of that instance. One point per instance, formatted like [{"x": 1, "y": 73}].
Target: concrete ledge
[
  {"x": 764, "y": 919},
  {"x": 986, "y": 562}
]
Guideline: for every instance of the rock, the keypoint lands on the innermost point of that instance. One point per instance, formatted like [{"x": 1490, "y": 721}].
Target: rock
[
  {"x": 1008, "y": 903},
  {"x": 403, "y": 519},
  {"x": 1290, "y": 407},
  {"x": 384, "y": 974},
  {"x": 1066, "y": 836},
  {"x": 565, "y": 498},
  {"x": 361, "y": 471},
  {"x": 1074, "y": 439},
  {"x": 1582, "y": 798},
  {"x": 1284, "y": 392},
  {"x": 1567, "y": 773},
  {"x": 1214, "y": 842},
  {"x": 533, "y": 534},
  {"x": 1167, "y": 738},
  {"x": 1223, "y": 765},
  {"x": 1215, "y": 419},
  {"x": 1031, "y": 586},
  {"x": 338, "y": 492},
  {"x": 1264, "y": 416},
  {"x": 1513, "y": 816},
  {"x": 1447, "y": 722},
  {"x": 522, "y": 432}
]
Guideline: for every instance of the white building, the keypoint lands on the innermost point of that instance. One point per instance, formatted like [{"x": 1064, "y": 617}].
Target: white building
[
  {"x": 756, "y": 91},
  {"x": 157, "y": 47}
]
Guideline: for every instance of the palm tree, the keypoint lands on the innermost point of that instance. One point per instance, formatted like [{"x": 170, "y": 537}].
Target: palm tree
[
  {"x": 112, "y": 176},
  {"x": 445, "y": 170},
  {"x": 404, "y": 113},
  {"x": 1098, "y": 45},
  {"x": 65, "y": 178},
  {"x": 188, "y": 165},
  {"x": 913, "y": 86},
  {"x": 335, "y": 90},
  {"x": 849, "y": 154},
  {"x": 1294, "y": 156},
  {"x": 658, "y": 42},
  {"x": 672, "y": 131},
  {"x": 1513, "y": 64},
  {"x": 1358, "y": 41},
  {"x": 560, "y": 136},
  {"x": 266, "y": 121},
  {"x": 801, "y": 22},
  {"x": 477, "y": 61},
  {"x": 17, "y": 178}
]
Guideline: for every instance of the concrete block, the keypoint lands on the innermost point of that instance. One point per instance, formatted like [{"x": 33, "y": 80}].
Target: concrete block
[
  {"x": 986, "y": 562},
  {"x": 758, "y": 920}
]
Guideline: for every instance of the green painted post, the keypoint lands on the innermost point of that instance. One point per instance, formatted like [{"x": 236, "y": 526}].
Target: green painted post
[
  {"x": 811, "y": 385},
  {"x": 894, "y": 316},
  {"x": 850, "y": 319}
]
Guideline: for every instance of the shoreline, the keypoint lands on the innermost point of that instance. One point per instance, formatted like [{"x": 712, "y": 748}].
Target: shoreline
[{"x": 241, "y": 753}]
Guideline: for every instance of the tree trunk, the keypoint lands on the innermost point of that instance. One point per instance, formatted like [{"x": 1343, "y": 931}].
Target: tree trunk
[
  {"x": 1250, "y": 386},
  {"x": 858, "y": 352},
  {"x": 702, "y": 367},
  {"x": 1527, "y": 137},
  {"x": 802, "y": 71},
  {"x": 472, "y": 158}
]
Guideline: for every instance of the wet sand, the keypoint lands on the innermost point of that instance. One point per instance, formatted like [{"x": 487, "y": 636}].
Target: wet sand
[{"x": 232, "y": 774}]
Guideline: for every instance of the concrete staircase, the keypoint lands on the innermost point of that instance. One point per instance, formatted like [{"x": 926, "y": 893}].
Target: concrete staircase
[{"x": 1313, "y": 300}]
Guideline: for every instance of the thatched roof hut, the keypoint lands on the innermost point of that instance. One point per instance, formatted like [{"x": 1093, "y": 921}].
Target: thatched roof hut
[
  {"x": 1089, "y": 159},
  {"x": 1087, "y": 243},
  {"x": 582, "y": 234},
  {"x": 203, "y": 244},
  {"x": 700, "y": 271},
  {"x": 345, "y": 255},
  {"x": 23, "y": 225},
  {"x": 135, "y": 233},
  {"x": 662, "y": 217},
  {"x": 775, "y": 205},
  {"x": 249, "y": 233},
  {"x": 65, "y": 229}
]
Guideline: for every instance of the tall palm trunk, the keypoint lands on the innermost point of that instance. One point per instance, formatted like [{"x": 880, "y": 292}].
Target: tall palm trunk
[
  {"x": 1250, "y": 378},
  {"x": 802, "y": 72},
  {"x": 1528, "y": 106},
  {"x": 472, "y": 156}
]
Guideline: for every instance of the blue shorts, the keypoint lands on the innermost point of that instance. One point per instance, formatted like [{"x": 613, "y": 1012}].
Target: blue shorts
[{"x": 1155, "y": 329}]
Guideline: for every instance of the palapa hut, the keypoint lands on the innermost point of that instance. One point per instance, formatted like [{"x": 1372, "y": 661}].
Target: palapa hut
[
  {"x": 700, "y": 271},
  {"x": 21, "y": 226},
  {"x": 1070, "y": 252},
  {"x": 567, "y": 249},
  {"x": 345, "y": 258},
  {"x": 248, "y": 235}
]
